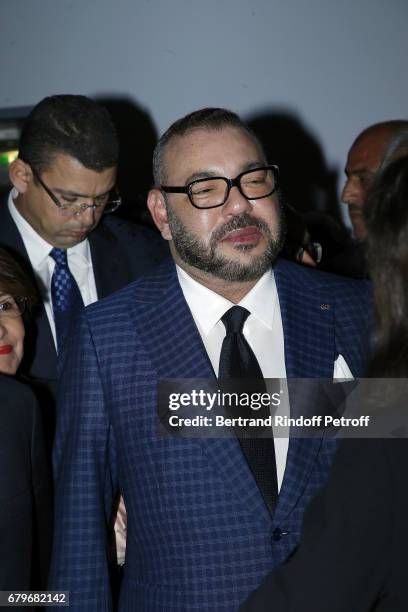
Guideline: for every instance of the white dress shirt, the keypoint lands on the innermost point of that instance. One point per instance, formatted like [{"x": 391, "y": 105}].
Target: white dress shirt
[
  {"x": 38, "y": 250},
  {"x": 263, "y": 329}
]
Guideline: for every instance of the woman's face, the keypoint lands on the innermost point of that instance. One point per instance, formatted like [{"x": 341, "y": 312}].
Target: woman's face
[{"x": 11, "y": 335}]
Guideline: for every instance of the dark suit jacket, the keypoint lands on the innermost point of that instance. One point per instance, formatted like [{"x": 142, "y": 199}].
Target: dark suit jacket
[
  {"x": 25, "y": 496},
  {"x": 200, "y": 536},
  {"x": 121, "y": 252},
  {"x": 353, "y": 552}
]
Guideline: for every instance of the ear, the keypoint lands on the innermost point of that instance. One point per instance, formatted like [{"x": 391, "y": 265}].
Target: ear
[
  {"x": 157, "y": 206},
  {"x": 20, "y": 175}
]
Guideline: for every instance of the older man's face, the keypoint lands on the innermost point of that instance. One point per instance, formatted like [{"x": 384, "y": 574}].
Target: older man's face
[
  {"x": 363, "y": 162},
  {"x": 237, "y": 241}
]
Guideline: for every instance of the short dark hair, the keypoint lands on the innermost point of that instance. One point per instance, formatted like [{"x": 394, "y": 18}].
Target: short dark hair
[
  {"x": 15, "y": 282},
  {"x": 203, "y": 119},
  {"x": 71, "y": 125}
]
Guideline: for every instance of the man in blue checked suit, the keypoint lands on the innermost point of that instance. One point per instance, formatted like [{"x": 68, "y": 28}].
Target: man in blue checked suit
[{"x": 200, "y": 534}]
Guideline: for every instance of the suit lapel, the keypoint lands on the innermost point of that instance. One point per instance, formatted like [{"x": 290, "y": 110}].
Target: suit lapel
[
  {"x": 308, "y": 328},
  {"x": 308, "y": 324},
  {"x": 110, "y": 268},
  {"x": 174, "y": 344}
]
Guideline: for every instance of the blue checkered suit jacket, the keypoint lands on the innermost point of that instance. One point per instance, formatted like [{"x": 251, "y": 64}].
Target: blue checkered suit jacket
[{"x": 199, "y": 535}]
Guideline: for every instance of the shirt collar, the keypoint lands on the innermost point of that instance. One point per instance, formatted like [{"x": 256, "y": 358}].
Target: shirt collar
[
  {"x": 37, "y": 248},
  {"x": 207, "y": 307},
  {"x": 262, "y": 298}
]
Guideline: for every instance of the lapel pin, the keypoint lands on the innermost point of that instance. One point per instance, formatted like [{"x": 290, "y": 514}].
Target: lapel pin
[{"x": 324, "y": 306}]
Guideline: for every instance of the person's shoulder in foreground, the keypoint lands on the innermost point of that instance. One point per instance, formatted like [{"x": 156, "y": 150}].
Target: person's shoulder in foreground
[
  {"x": 366, "y": 495},
  {"x": 25, "y": 498},
  {"x": 19, "y": 393}
]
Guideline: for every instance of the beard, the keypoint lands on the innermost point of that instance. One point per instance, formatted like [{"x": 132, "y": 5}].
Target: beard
[{"x": 195, "y": 253}]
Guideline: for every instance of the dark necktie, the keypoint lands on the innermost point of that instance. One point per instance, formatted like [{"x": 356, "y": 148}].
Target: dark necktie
[
  {"x": 66, "y": 297},
  {"x": 237, "y": 361}
]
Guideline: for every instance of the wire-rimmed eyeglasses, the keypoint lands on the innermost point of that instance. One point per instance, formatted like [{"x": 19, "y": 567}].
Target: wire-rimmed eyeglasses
[{"x": 107, "y": 202}]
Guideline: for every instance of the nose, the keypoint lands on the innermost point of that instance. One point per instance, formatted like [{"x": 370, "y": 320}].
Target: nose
[
  {"x": 236, "y": 203},
  {"x": 87, "y": 215},
  {"x": 352, "y": 192}
]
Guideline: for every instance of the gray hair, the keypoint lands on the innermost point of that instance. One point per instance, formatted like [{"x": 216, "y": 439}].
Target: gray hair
[{"x": 398, "y": 147}]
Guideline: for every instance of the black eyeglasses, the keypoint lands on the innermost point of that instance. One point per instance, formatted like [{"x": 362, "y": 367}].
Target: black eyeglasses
[
  {"x": 107, "y": 203},
  {"x": 212, "y": 192}
]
